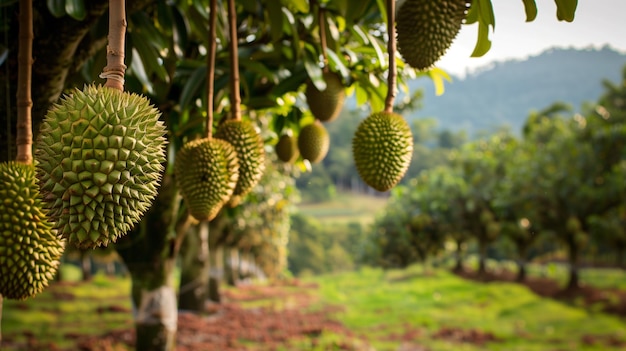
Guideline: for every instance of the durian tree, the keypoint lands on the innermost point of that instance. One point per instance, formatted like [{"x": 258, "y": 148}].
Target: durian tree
[{"x": 279, "y": 49}]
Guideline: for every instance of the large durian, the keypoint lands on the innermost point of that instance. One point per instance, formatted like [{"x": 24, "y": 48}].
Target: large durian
[
  {"x": 250, "y": 151},
  {"x": 426, "y": 29},
  {"x": 206, "y": 172},
  {"x": 313, "y": 142},
  {"x": 29, "y": 248},
  {"x": 326, "y": 104},
  {"x": 100, "y": 154},
  {"x": 382, "y": 148}
]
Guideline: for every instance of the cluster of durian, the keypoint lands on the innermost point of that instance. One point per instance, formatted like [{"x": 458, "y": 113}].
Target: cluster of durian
[
  {"x": 426, "y": 29},
  {"x": 213, "y": 172},
  {"x": 313, "y": 141}
]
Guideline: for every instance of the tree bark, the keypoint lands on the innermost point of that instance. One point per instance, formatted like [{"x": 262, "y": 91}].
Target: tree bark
[
  {"x": 521, "y": 270},
  {"x": 482, "y": 247},
  {"x": 458, "y": 267},
  {"x": 216, "y": 272},
  {"x": 149, "y": 252},
  {"x": 194, "y": 279},
  {"x": 0, "y": 320},
  {"x": 232, "y": 267},
  {"x": 573, "y": 282},
  {"x": 85, "y": 265}
]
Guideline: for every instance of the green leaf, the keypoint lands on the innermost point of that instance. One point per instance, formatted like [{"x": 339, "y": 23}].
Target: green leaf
[
  {"x": 437, "y": 75},
  {"x": 56, "y": 7},
  {"x": 76, "y": 9},
  {"x": 566, "y": 9},
  {"x": 275, "y": 18},
  {"x": 531, "y": 10},
  {"x": 192, "y": 85},
  {"x": 483, "y": 44},
  {"x": 336, "y": 64},
  {"x": 298, "y": 5},
  {"x": 313, "y": 69}
]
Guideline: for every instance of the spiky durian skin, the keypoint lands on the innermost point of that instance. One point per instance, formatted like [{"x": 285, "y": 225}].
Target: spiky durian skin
[
  {"x": 313, "y": 142},
  {"x": 100, "y": 153},
  {"x": 29, "y": 248},
  {"x": 250, "y": 151},
  {"x": 426, "y": 29},
  {"x": 326, "y": 104},
  {"x": 206, "y": 172},
  {"x": 382, "y": 148},
  {"x": 287, "y": 148}
]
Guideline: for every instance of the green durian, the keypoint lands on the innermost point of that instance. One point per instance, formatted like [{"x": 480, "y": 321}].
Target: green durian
[
  {"x": 313, "y": 142},
  {"x": 287, "y": 148},
  {"x": 100, "y": 153},
  {"x": 326, "y": 104},
  {"x": 382, "y": 148},
  {"x": 426, "y": 29},
  {"x": 251, "y": 153},
  {"x": 29, "y": 247},
  {"x": 206, "y": 172}
]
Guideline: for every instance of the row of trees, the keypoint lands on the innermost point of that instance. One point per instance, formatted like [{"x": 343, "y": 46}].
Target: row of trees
[{"x": 565, "y": 178}]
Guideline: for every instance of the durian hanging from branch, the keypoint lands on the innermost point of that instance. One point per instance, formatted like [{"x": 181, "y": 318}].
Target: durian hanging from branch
[
  {"x": 241, "y": 133},
  {"x": 207, "y": 169},
  {"x": 101, "y": 152},
  {"x": 29, "y": 248},
  {"x": 382, "y": 146},
  {"x": 325, "y": 104}
]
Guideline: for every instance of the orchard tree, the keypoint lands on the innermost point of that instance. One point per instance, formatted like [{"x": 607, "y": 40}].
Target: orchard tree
[{"x": 280, "y": 48}]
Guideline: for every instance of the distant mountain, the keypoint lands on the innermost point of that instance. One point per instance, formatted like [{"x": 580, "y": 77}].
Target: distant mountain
[{"x": 505, "y": 92}]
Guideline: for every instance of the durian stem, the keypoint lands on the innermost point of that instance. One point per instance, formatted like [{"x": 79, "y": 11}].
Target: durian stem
[
  {"x": 322, "y": 24},
  {"x": 235, "y": 98},
  {"x": 24, "y": 137},
  {"x": 115, "y": 69},
  {"x": 210, "y": 68},
  {"x": 391, "y": 49}
]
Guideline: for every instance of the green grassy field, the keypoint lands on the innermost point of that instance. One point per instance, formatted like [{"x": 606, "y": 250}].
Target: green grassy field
[
  {"x": 345, "y": 208},
  {"x": 379, "y": 305},
  {"x": 397, "y": 310}
]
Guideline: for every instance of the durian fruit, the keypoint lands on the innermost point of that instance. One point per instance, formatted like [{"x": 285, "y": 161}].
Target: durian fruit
[
  {"x": 382, "y": 148},
  {"x": 100, "y": 153},
  {"x": 29, "y": 248},
  {"x": 326, "y": 105},
  {"x": 206, "y": 171},
  {"x": 287, "y": 148},
  {"x": 426, "y": 29},
  {"x": 313, "y": 142},
  {"x": 250, "y": 151}
]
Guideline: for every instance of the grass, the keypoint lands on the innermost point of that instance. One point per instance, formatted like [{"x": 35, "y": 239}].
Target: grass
[
  {"x": 64, "y": 310},
  {"x": 345, "y": 208},
  {"x": 378, "y": 304}
]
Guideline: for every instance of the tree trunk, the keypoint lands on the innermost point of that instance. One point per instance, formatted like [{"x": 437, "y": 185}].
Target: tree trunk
[
  {"x": 0, "y": 320},
  {"x": 573, "y": 282},
  {"x": 482, "y": 269},
  {"x": 216, "y": 272},
  {"x": 194, "y": 279},
  {"x": 458, "y": 267},
  {"x": 85, "y": 265},
  {"x": 149, "y": 252},
  {"x": 521, "y": 270},
  {"x": 232, "y": 267}
]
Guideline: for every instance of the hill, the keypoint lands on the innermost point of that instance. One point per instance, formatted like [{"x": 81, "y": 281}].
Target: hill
[{"x": 504, "y": 93}]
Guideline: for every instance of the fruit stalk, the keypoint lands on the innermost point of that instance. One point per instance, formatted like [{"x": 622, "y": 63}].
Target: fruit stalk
[
  {"x": 320, "y": 19},
  {"x": 24, "y": 137},
  {"x": 115, "y": 69},
  {"x": 391, "y": 49},
  {"x": 235, "y": 98},
  {"x": 210, "y": 71}
]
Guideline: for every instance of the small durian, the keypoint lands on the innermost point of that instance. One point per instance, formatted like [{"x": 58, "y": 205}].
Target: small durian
[
  {"x": 100, "y": 153},
  {"x": 313, "y": 142},
  {"x": 251, "y": 153},
  {"x": 326, "y": 105},
  {"x": 287, "y": 148},
  {"x": 29, "y": 248},
  {"x": 382, "y": 148},
  {"x": 206, "y": 171},
  {"x": 426, "y": 29}
]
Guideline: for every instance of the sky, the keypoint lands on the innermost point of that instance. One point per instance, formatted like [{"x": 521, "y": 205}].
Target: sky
[{"x": 597, "y": 23}]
